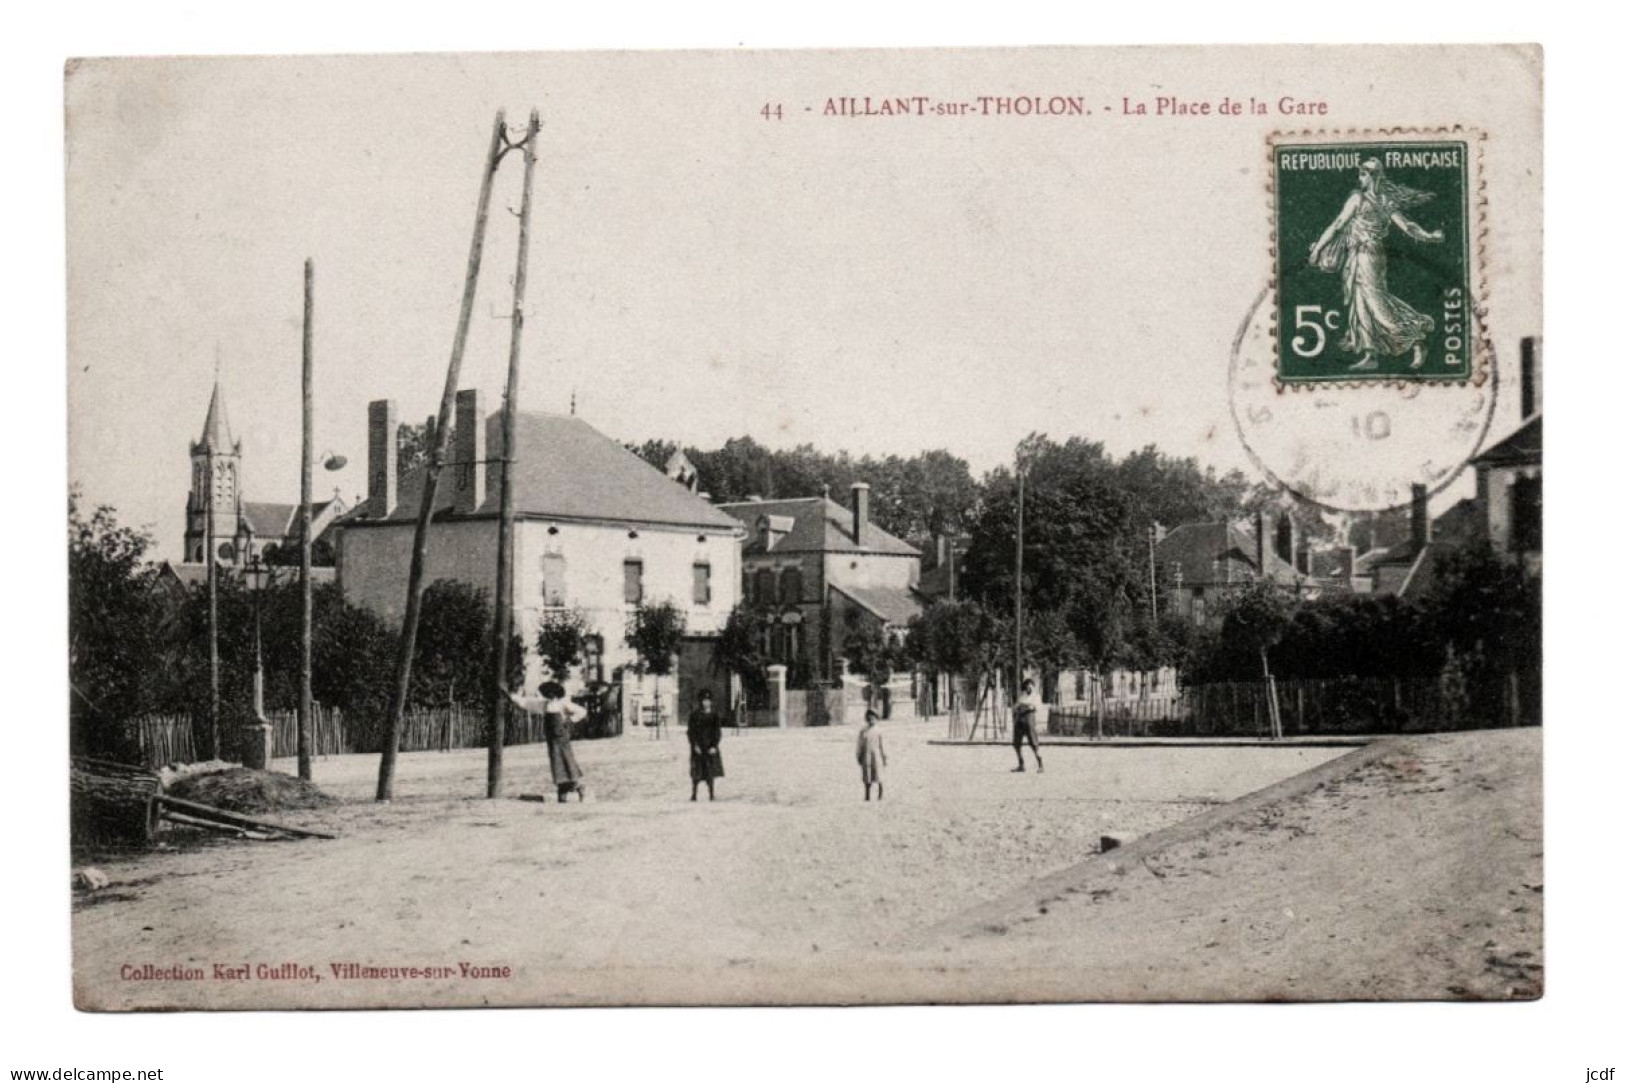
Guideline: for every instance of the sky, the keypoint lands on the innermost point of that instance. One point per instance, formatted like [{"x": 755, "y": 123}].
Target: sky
[{"x": 700, "y": 271}]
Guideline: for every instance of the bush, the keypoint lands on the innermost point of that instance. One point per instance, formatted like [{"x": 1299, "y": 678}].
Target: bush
[{"x": 655, "y": 632}]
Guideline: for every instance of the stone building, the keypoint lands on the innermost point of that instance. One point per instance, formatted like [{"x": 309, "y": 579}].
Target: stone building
[
  {"x": 597, "y": 529},
  {"x": 817, "y": 569}
]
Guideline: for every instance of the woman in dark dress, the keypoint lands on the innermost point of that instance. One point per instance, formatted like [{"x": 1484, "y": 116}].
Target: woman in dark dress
[{"x": 704, "y": 752}]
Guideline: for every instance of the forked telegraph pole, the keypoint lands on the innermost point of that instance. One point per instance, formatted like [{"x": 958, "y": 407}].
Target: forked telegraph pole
[
  {"x": 502, "y": 626},
  {"x": 431, "y": 475}
]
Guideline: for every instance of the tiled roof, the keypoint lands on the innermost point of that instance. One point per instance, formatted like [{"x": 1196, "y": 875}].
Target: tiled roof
[
  {"x": 820, "y": 525},
  {"x": 1459, "y": 523},
  {"x": 270, "y": 520},
  {"x": 890, "y": 604},
  {"x": 566, "y": 468},
  {"x": 1195, "y": 546},
  {"x": 1521, "y": 448}
]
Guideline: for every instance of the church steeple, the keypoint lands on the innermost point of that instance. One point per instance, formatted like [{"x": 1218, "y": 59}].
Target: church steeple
[
  {"x": 213, "y": 507},
  {"x": 216, "y": 429}
]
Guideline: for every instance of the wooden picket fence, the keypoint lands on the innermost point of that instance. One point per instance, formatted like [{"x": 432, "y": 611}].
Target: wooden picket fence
[
  {"x": 1322, "y": 707},
  {"x": 165, "y": 739}
]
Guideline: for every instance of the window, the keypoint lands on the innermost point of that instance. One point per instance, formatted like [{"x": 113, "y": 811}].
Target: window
[
  {"x": 790, "y": 586},
  {"x": 632, "y": 577},
  {"x": 702, "y": 583},
  {"x": 1526, "y": 507},
  {"x": 766, "y": 592},
  {"x": 553, "y": 594}
]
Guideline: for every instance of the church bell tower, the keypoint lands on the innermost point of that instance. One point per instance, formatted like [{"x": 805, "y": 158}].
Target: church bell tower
[{"x": 213, "y": 506}]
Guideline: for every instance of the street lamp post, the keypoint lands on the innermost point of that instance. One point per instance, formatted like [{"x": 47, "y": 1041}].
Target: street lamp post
[{"x": 256, "y": 571}]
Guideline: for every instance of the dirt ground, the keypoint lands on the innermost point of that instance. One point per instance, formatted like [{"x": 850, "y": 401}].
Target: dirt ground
[{"x": 789, "y": 886}]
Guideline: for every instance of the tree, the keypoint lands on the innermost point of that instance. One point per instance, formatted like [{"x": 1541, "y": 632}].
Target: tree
[
  {"x": 1256, "y": 616},
  {"x": 1049, "y": 644},
  {"x": 562, "y": 639},
  {"x": 741, "y": 647},
  {"x": 871, "y": 651},
  {"x": 286, "y": 555},
  {"x": 453, "y": 649},
  {"x": 913, "y": 497},
  {"x": 655, "y": 632},
  {"x": 115, "y": 624},
  {"x": 412, "y": 445}
]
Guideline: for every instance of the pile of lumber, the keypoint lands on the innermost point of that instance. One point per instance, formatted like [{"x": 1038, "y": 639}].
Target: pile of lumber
[
  {"x": 209, "y": 818},
  {"x": 117, "y": 803},
  {"x": 112, "y": 802}
]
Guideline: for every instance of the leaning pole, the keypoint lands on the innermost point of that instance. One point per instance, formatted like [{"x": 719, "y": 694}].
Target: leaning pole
[
  {"x": 502, "y": 626},
  {"x": 431, "y": 477}
]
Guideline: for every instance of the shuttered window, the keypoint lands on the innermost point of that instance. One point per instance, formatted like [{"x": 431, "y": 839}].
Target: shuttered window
[
  {"x": 553, "y": 592},
  {"x": 702, "y": 583},
  {"x": 632, "y": 577},
  {"x": 766, "y": 594}
]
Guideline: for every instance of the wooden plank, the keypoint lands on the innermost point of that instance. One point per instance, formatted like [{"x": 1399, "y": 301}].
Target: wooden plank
[{"x": 218, "y": 815}]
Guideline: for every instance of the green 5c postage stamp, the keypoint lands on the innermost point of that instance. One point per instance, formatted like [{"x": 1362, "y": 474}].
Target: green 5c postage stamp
[{"x": 1374, "y": 260}]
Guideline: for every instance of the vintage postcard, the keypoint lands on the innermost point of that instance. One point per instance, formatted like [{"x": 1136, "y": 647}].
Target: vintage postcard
[{"x": 806, "y": 527}]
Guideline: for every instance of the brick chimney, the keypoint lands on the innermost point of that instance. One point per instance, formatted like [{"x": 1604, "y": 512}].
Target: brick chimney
[
  {"x": 1529, "y": 376},
  {"x": 1262, "y": 540},
  {"x": 382, "y": 426},
  {"x": 860, "y": 513},
  {"x": 1421, "y": 528},
  {"x": 469, "y": 436},
  {"x": 1345, "y": 565}
]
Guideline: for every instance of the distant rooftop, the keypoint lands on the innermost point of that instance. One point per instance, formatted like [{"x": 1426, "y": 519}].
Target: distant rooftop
[{"x": 817, "y": 524}]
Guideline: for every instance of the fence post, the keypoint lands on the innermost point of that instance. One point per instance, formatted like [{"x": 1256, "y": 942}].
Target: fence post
[{"x": 776, "y": 679}]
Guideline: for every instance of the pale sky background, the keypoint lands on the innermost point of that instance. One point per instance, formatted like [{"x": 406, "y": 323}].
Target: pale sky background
[{"x": 698, "y": 272}]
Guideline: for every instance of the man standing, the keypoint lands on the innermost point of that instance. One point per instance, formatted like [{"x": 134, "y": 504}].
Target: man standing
[{"x": 1028, "y": 708}]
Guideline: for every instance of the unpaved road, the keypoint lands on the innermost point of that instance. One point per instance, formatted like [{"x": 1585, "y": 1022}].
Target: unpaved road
[{"x": 791, "y": 887}]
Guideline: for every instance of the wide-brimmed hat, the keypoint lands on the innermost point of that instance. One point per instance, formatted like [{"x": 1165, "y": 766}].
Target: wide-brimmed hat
[{"x": 552, "y": 690}]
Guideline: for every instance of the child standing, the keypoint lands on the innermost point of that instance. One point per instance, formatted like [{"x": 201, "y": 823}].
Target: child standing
[{"x": 871, "y": 755}]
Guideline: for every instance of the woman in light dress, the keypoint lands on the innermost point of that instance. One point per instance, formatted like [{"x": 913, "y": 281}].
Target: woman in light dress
[
  {"x": 558, "y": 715},
  {"x": 1352, "y": 246},
  {"x": 871, "y": 755}
]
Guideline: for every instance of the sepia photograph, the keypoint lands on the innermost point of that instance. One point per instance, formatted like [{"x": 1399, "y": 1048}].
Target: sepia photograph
[{"x": 805, "y": 527}]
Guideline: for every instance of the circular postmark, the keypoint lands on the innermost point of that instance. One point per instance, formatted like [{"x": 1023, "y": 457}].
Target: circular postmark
[{"x": 1354, "y": 448}]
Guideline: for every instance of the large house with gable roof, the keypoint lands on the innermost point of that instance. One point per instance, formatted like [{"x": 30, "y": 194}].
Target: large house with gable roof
[{"x": 597, "y": 529}]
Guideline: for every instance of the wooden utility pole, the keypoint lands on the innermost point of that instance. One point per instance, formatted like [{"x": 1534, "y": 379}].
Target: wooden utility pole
[
  {"x": 431, "y": 477},
  {"x": 307, "y": 450},
  {"x": 1021, "y": 501},
  {"x": 502, "y": 626},
  {"x": 214, "y": 617},
  {"x": 1151, "y": 539}
]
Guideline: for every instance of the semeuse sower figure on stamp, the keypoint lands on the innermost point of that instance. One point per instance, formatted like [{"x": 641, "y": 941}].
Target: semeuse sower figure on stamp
[
  {"x": 704, "y": 747},
  {"x": 1353, "y": 247}
]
